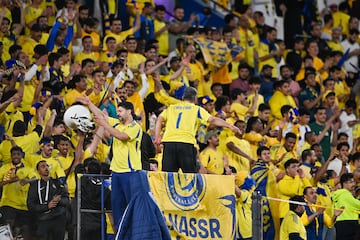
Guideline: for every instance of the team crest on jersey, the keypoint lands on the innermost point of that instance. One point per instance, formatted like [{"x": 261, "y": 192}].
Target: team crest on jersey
[{"x": 185, "y": 190}]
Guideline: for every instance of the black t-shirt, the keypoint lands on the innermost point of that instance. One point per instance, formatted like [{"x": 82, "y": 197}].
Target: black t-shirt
[{"x": 91, "y": 199}]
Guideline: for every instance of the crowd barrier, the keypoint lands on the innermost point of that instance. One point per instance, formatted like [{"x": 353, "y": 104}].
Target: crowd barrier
[
  {"x": 195, "y": 206},
  {"x": 80, "y": 210}
]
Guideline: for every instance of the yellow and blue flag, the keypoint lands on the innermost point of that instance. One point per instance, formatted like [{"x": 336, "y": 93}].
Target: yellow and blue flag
[
  {"x": 266, "y": 185},
  {"x": 215, "y": 53}
]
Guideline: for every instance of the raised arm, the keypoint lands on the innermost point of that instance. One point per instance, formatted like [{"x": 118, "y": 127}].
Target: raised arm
[
  {"x": 78, "y": 151},
  {"x": 183, "y": 64},
  {"x": 183, "y": 26},
  {"x": 94, "y": 109},
  {"x": 50, "y": 123},
  {"x": 51, "y": 40},
  {"x": 137, "y": 24},
  {"x": 144, "y": 82},
  {"x": 102, "y": 121},
  {"x": 98, "y": 135},
  {"x": 5, "y": 104},
  {"x": 158, "y": 126},
  {"x": 238, "y": 151},
  {"x": 153, "y": 69},
  {"x": 221, "y": 123}
]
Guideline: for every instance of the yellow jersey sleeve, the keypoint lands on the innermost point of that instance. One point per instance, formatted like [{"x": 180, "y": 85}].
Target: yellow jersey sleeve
[
  {"x": 163, "y": 98},
  {"x": 113, "y": 121},
  {"x": 124, "y": 34},
  {"x": 239, "y": 110}
]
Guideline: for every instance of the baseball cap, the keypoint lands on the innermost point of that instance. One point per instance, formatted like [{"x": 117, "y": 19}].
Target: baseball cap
[
  {"x": 211, "y": 134},
  {"x": 205, "y": 100}
]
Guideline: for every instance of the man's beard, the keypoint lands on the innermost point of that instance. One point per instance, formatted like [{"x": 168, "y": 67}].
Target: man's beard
[
  {"x": 286, "y": 78},
  {"x": 267, "y": 75}
]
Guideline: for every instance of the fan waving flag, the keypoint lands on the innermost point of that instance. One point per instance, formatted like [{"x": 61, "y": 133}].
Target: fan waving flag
[
  {"x": 215, "y": 53},
  {"x": 265, "y": 179}
]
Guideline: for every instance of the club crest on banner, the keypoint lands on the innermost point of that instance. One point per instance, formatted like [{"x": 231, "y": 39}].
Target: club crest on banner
[{"x": 185, "y": 191}]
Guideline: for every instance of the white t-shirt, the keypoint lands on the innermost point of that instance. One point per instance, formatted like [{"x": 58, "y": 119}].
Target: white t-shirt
[
  {"x": 335, "y": 165},
  {"x": 302, "y": 130},
  {"x": 354, "y": 59},
  {"x": 345, "y": 118}
]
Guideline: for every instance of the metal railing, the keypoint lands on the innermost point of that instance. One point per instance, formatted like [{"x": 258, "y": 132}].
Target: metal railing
[
  {"x": 257, "y": 205},
  {"x": 80, "y": 210},
  {"x": 257, "y": 216}
]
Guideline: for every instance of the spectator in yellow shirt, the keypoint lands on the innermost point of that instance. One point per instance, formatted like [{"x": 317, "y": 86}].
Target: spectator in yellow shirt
[
  {"x": 5, "y": 38},
  {"x": 286, "y": 151},
  {"x": 35, "y": 72},
  {"x": 222, "y": 108},
  {"x": 194, "y": 70},
  {"x": 341, "y": 88},
  {"x": 281, "y": 97},
  {"x": 254, "y": 98},
  {"x": 28, "y": 142},
  {"x": 322, "y": 66},
  {"x": 212, "y": 158},
  {"x": 88, "y": 29},
  {"x": 216, "y": 90},
  {"x": 238, "y": 150},
  {"x": 87, "y": 51},
  {"x": 292, "y": 226},
  {"x": 87, "y": 67},
  {"x": 269, "y": 53},
  {"x": 11, "y": 112},
  {"x": 240, "y": 107},
  {"x": 135, "y": 98},
  {"x": 78, "y": 85},
  {"x": 117, "y": 33},
  {"x": 97, "y": 93},
  {"x": 342, "y": 17},
  {"x": 15, "y": 178},
  {"x": 33, "y": 11},
  {"x": 161, "y": 30},
  {"x": 328, "y": 26},
  {"x": 295, "y": 178},
  {"x": 253, "y": 135},
  {"x": 33, "y": 40},
  {"x": 336, "y": 37},
  {"x": 109, "y": 56},
  {"x": 245, "y": 38},
  {"x": 134, "y": 59}
]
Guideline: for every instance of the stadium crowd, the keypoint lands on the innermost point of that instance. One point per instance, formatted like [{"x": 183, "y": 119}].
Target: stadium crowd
[{"x": 282, "y": 115}]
